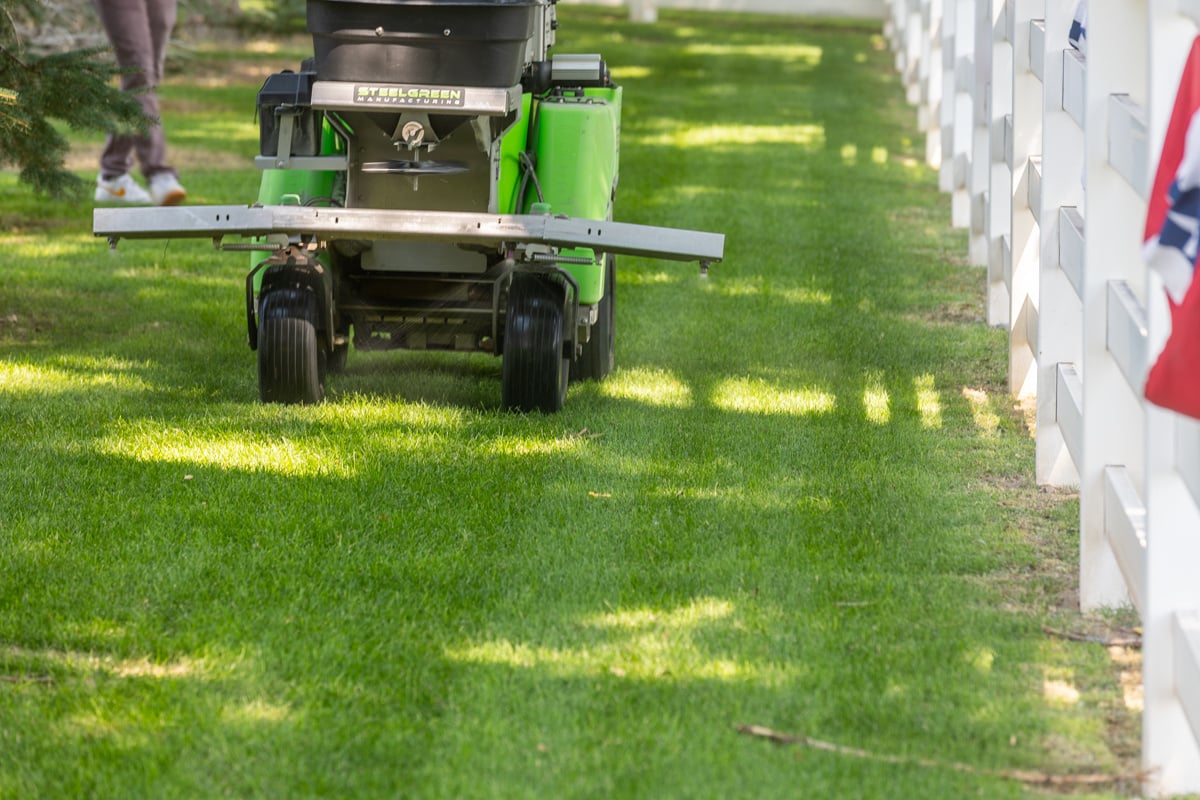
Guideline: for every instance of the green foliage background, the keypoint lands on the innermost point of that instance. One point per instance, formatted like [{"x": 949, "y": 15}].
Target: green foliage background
[
  {"x": 73, "y": 87},
  {"x": 46, "y": 81}
]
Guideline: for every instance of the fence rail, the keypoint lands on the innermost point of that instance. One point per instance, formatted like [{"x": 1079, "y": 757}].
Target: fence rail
[{"x": 1048, "y": 151}]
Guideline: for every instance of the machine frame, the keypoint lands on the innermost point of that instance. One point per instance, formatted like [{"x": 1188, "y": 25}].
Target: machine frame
[{"x": 440, "y": 208}]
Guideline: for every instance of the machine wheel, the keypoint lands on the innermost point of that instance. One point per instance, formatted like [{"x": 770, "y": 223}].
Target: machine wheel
[
  {"x": 598, "y": 357},
  {"x": 534, "y": 372},
  {"x": 290, "y": 364}
]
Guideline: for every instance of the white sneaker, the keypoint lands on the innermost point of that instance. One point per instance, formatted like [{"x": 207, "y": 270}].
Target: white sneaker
[
  {"x": 165, "y": 190},
  {"x": 122, "y": 189}
]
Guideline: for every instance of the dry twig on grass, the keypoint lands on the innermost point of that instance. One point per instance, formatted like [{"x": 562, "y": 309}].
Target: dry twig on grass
[
  {"x": 1130, "y": 640},
  {"x": 1028, "y": 777}
]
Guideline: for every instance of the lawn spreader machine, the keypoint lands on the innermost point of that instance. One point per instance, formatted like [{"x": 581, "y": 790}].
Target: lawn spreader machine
[{"x": 433, "y": 178}]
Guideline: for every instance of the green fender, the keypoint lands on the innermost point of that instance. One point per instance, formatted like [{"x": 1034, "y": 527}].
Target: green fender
[{"x": 576, "y": 139}]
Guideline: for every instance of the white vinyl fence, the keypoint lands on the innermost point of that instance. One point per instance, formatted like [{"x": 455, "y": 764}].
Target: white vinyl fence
[{"x": 1049, "y": 154}]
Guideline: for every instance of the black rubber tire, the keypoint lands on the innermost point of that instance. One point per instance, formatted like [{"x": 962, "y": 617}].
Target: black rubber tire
[
  {"x": 599, "y": 354},
  {"x": 290, "y": 363},
  {"x": 533, "y": 372}
]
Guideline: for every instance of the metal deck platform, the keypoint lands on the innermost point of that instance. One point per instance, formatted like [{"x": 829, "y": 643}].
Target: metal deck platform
[{"x": 499, "y": 230}]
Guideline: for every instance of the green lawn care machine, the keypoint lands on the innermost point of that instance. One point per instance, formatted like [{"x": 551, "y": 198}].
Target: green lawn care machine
[{"x": 433, "y": 179}]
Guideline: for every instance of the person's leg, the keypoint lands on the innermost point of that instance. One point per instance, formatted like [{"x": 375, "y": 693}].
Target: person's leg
[
  {"x": 128, "y": 27},
  {"x": 160, "y": 17}
]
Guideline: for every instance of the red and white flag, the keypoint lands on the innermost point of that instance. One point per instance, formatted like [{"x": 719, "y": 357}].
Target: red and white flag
[{"x": 1172, "y": 238}]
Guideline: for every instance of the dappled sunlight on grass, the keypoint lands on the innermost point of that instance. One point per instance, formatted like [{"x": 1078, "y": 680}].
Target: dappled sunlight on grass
[
  {"x": 849, "y": 154},
  {"x": 686, "y": 193},
  {"x": 256, "y": 711},
  {"x": 123, "y": 708},
  {"x": 51, "y": 662},
  {"x": 704, "y": 609},
  {"x": 876, "y": 401},
  {"x": 756, "y": 286},
  {"x": 637, "y": 643},
  {"x": 534, "y": 445},
  {"x": 716, "y": 136},
  {"x": 785, "y": 495},
  {"x": 757, "y": 396},
  {"x": 655, "y": 387},
  {"x": 145, "y": 668},
  {"x": 801, "y": 295},
  {"x": 981, "y": 657},
  {"x": 38, "y": 246},
  {"x": 929, "y": 402},
  {"x": 236, "y": 450},
  {"x": 986, "y": 419},
  {"x": 876, "y": 404},
  {"x": 648, "y": 278},
  {"x": 1058, "y": 691},
  {"x": 69, "y": 374},
  {"x": 806, "y": 55},
  {"x": 631, "y": 73},
  {"x": 1128, "y": 660},
  {"x": 1133, "y": 692},
  {"x": 353, "y": 411}
]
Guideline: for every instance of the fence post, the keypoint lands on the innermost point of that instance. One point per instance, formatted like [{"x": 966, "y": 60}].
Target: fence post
[
  {"x": 993, "y": 68},
  {"x": 1024, "y": 146},
  {"x": 1113, "y": 422},
  {"x": 1060, "y": 216},
  {"x": 930, "y": 113},
  {"x": 981, "y": 91},
  {"x": 958, "y": 128}
]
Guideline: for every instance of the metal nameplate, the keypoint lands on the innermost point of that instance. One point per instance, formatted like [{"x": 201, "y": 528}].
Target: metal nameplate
[{"x": 361, "y": 96}]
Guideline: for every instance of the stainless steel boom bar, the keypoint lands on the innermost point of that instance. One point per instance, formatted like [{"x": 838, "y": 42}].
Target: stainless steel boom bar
[{"x": 447, "y": 226}]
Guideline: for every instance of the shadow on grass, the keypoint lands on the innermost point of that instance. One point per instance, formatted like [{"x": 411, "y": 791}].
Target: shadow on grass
[
  {"x": 450, "y": 597},
  {"x": 265, "y": 609},
  {"x": 467, "y": 638}
]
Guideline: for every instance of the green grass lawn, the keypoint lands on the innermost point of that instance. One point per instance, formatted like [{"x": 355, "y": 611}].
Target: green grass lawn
[{"x": 803, "y": 501}]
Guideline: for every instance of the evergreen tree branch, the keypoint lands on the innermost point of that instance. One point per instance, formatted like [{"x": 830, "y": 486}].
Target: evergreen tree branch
[{"x": 74, "y": 87}]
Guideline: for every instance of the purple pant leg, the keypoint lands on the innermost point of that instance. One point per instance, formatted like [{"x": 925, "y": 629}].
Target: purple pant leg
[{"x": 139, "y": 31}]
